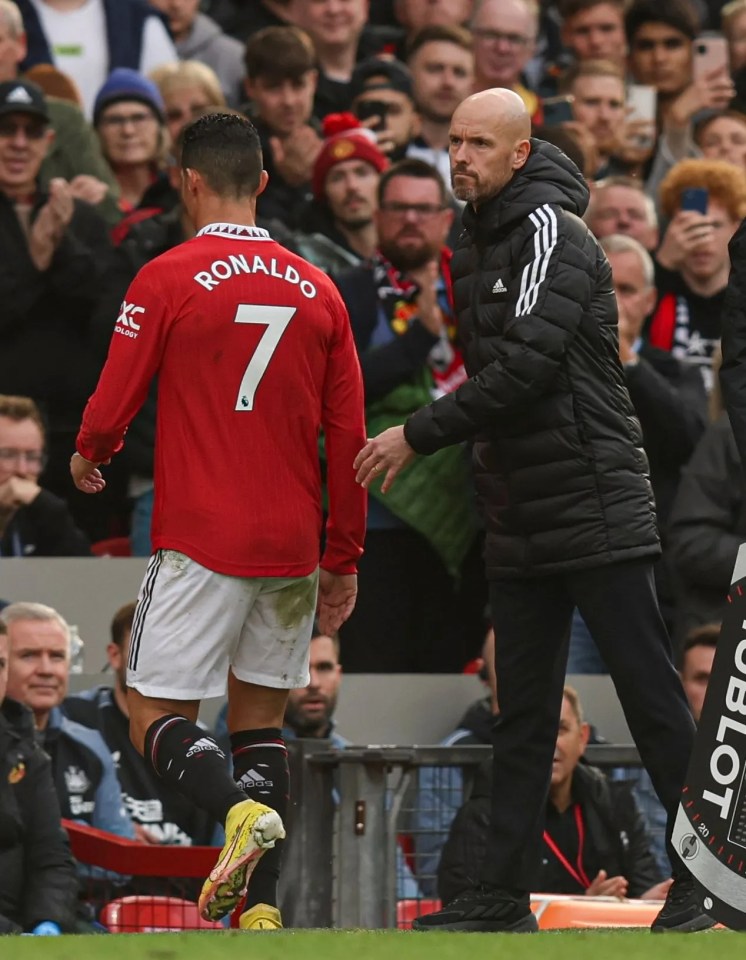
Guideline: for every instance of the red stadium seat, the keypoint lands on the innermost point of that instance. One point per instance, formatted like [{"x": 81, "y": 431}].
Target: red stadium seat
[
  {"x": 113, "y": 547},
  {"x": 153, "y": 915}
]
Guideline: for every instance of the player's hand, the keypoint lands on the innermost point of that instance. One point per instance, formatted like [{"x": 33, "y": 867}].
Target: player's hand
[
  {"x": 337, "y": 595},
  {"x": 86, "y": 475},
  {"x": 658, "y": 892},
  {"x": 687, "y": 230},
  {"x": 605, "y": 886},
  {"x": 387, "y": 453}
]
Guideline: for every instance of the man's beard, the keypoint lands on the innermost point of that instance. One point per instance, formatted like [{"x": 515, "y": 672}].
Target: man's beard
[
  {"x": 408, "y": 258},
  {"x": 303, "y": 725},
  {"x": 467, "y": 192}
]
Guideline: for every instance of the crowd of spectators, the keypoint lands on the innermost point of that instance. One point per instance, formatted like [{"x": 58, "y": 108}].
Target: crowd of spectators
[{"x": 352, "y": 100}]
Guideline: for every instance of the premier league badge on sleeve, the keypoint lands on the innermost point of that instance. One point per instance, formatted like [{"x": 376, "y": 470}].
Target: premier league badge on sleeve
[{"x": 710, "y": 829}]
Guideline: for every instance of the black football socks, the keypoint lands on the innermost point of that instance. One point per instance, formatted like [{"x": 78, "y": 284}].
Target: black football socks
[
  {"x": 260, "y": 769},
  {"x": 188, "y": 758}
]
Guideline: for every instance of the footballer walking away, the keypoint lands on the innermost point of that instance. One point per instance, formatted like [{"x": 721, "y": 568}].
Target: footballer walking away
[{"x": 254, "y": 357}]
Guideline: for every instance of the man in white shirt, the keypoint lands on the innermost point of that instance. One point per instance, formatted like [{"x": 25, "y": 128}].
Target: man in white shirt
[{"x": 87, "y": 39}]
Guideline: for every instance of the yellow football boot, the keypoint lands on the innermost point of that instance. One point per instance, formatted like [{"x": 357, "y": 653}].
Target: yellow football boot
[
  {"x": 250, "y": 829},
  {"x": 261, "y": 917}
]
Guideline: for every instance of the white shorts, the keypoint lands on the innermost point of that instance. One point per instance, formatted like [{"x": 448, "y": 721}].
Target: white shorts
[{"x": 191, "y": 624}]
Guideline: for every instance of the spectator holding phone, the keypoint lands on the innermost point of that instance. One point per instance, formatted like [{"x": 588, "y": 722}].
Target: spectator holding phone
[
  {"x": 688, "y": 73},
  {"x": 705, "y": 201},
  {"x": 623, "y": 144},
  {"x": 382, "y": 99}
]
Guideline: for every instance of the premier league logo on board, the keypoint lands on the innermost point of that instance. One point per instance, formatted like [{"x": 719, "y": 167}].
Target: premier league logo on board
[{"x": 710, "y": 830}]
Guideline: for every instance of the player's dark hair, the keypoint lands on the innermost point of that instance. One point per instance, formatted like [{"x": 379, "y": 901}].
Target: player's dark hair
[
  {"x": 412, "y": 167},
  {"x": 225, "y": 149},
  {"x": 706, "y": 635},
  {"x": 122, "y": 622}
]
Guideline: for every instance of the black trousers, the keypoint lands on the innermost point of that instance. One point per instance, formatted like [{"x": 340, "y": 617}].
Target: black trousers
[
  {"x": 531, "y": 619},
  {"x": 411, "y": 616}
]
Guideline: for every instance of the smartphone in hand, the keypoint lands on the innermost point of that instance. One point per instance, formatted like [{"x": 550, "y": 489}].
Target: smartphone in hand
[
  {"x": 695, "y": 198},
  {"x": 710, "y": 53},
  {"x": 642, "y": 101}
]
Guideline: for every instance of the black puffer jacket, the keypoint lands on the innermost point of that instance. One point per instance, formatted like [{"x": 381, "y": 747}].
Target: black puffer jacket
[
  {"x": 615, "y": 840},
  {"x": 558, "y": 456},
  {"x": 37, "y": 873}
]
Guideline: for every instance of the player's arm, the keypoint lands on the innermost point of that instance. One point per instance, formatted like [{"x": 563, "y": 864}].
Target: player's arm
[
  {"x": 135, "y": 354},
  {"x": 343, "y": 420}
]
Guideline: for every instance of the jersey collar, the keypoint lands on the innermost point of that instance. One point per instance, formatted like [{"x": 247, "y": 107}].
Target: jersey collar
[{"x": 236, "y": 231}]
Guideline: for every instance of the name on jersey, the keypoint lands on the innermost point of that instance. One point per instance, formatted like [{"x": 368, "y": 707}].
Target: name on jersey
[{"x": 236, "y": 264}]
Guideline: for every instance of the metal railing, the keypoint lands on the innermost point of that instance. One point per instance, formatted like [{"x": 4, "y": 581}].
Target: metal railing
[{"x": 344, "y": 862}]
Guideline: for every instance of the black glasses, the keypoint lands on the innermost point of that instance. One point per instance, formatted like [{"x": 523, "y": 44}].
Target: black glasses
[
  {"x": 32, "y": 131},
  {"x": 421, "y": 210}
]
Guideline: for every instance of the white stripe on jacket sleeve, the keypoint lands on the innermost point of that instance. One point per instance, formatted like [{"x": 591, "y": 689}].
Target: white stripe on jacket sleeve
[{"x": 534, "y": 273}]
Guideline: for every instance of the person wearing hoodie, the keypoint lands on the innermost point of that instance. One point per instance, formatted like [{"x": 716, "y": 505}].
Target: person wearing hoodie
[
  {"x": 197, "y": 37},
  {"x": 566, "y": 497}
]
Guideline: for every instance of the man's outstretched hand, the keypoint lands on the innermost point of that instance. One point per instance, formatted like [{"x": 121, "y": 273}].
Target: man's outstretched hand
[
  {"x": 86, "y": 475},
  {"x": 387, "y": 453},
  {"x": 337, "y": 595}
]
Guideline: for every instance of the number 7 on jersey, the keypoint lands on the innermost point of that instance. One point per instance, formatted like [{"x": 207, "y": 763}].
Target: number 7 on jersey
[{"x": 275, "y": 319}]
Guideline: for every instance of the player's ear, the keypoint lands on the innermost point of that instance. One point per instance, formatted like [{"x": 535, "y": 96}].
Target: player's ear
[
  {"x": 263, "y": 181},
  {"x": 190, "y": 179}
]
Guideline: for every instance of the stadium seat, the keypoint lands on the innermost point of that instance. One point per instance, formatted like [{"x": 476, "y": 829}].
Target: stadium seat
[
  {"x": 141, "y": 914},
  {"x": 112, "y": 547},
  {"x": 409, "y": 910}
]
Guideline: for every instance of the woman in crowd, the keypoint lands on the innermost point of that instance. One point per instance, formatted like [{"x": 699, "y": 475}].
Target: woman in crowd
[
  {"x": 187, "y": 87},
  {"x": 129, "y": 117}
]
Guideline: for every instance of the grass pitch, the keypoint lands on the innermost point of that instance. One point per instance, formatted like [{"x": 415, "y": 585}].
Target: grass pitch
[{"x": 378, "y": 945}]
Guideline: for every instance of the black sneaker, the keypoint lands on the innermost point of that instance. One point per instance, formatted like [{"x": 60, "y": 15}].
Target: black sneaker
[
  {"x": 682, "y": 913},
  {"x": 484, "y": 910}
]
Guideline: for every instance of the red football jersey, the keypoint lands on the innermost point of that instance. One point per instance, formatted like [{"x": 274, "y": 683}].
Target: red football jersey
[{"x": 254, "y": 355}]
